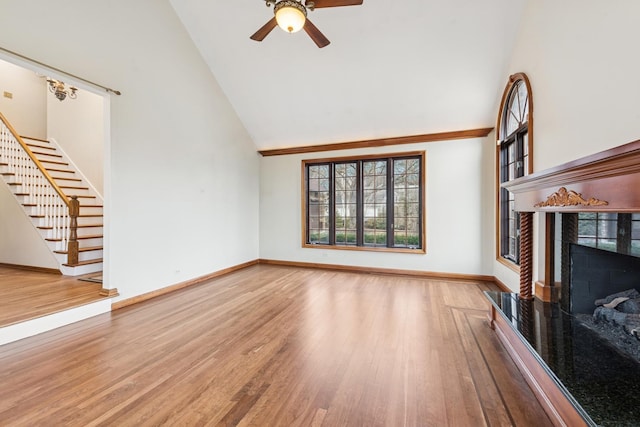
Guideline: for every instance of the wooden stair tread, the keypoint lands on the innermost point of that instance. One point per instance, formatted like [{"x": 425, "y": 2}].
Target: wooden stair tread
[
  {"x": 43, "y": 147},
  {"x": 34, "y": 139},
  {"x": 45, "y": 227},
  {"x": 20, "y": 183},
  {"x": 66, "y": 179},
  {"x": 54, "y": 162},
  {"x": 87, "y": 249},
  {"x": 47, "y": 154},
  {"x": 87, "y": 262},
  {"x": 91, "y": 216},
  {"x": 73, "y": 187},
  {"x": 90, "y": 236},
  {"x": 59, "y": 170}
]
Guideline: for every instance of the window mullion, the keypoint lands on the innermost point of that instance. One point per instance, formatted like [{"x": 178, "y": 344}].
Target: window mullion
[
  {"x": 390, "y": 209},
  {"x": 359, "y": 205},
  {"x": 623, "y": 233},
  {"x": 332, "y": 204},
  {"x": 422, "y": 188}
]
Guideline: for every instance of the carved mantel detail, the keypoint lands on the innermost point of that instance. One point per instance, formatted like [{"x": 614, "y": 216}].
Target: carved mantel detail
[{"x": 564, "y": 197}]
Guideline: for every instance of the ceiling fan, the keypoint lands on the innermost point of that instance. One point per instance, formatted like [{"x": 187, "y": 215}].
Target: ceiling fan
[{"x": 291, "y": 16}]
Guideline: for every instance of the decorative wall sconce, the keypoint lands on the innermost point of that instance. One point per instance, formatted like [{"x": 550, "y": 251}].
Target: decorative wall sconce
[{"x": 57, "y": 88}]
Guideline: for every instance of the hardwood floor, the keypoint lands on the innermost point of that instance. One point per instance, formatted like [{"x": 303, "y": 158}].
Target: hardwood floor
[
  {"x": 25, "y": 294},
  {"x": 275, "y": 346}
]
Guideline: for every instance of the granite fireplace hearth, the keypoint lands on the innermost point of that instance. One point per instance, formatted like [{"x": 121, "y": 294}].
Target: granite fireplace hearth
[{"x": 578, "y": 374}]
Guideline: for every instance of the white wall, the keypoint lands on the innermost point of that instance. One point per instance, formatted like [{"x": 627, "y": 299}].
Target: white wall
[
  {"x": 455, "y": 215},
  {"x": 181, "y": 182},
  {"x": 77, "y": 125},
  {"x": 27, "y": 109},
  {"x": 581, "y": 62},
  {"x": 20, "y": 242}
]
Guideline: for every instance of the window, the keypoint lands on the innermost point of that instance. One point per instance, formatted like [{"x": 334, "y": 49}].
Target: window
[
  {"x": 514, "y": 160},
  {"x": 365, "y": 203},
  {"x": 616, "y": 232}
]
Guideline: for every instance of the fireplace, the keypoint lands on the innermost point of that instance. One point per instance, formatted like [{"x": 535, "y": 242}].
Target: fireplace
[
  {"x": 579, "y": 377},
  {"x": 596, "y": 274}
]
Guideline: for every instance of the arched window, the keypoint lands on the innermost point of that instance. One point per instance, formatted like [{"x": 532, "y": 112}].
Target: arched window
[{"x": 514, "y": 159}]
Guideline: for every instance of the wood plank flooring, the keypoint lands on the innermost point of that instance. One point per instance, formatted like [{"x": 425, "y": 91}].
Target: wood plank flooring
[
  {"x": 275, "y": 346},
  {"x": 26, "y": 295}
]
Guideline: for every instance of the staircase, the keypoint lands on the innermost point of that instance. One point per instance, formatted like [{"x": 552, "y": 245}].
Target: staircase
[{"x": 45, "y": 182}]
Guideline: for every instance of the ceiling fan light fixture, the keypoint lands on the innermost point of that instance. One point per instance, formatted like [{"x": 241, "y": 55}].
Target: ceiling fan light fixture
[{"x": 290, "y": 15}]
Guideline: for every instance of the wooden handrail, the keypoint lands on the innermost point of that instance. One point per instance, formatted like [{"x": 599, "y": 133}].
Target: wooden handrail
[{"x": 35, "y": 160}]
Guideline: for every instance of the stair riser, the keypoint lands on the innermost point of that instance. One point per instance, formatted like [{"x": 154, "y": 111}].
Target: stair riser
[
  {"x": 86, "y": 256},
  {"x": 83, "y": 243},
  {"x": 82, "y": 232},
  {"x": 91, "y": 210},
  {"x": 44, "y": 157},
  {"x": 90, "y": 220},
  {"x": 89, "y": 231},
  {"x": 76, "y": 192},
  {"x": 84, "y": 210},
  {"x": 80, "y": 270},
  {"x": 86, "y": 243},
  {"x": 41, "y": 222},
  {"x": 82, "y": 256}
]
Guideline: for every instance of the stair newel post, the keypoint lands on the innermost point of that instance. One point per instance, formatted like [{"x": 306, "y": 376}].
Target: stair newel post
[{"x": 72, "y": 245}]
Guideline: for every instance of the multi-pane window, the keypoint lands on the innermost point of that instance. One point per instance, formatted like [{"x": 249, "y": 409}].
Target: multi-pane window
[
  {"x": 318, "y": 203},
  {"x": 616, "y": 232},
  {"x": 514, "y": 161},
  {"x": 365, "y": 202}
]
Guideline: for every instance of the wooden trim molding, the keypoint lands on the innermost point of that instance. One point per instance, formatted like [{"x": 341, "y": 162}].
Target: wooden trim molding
[
  {"x": 382, "y": 142},
  {"x": 602, "y": 182},
  {"x": 507, "y": 263},
  {"x": 557, "y": 406},
  {"x": 178, "y": 286},
  {"x": 547, "y": 293},
  {"x": 420, "y": 251},
  {"x": 564, "y": 197},
  {"x": 355, "y": 269},
  {"x": 501, "y": 285},
  {"x": 378, "y": 270},
  {"x": 113, "y": 292},
  {"x": 34, "y": 139},
  {"x": 32, "y": 268},
  {"x": 513, "y": 79}
]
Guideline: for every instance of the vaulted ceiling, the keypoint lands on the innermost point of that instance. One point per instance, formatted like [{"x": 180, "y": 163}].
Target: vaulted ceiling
[{"x": 393, "y": 68}]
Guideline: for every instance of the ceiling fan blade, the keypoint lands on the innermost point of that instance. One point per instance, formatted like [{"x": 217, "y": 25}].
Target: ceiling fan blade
[
  {"x": 335, "y": 3},
  {"x": 315, "y": 34},
  {"x": 264, "y": 31}
]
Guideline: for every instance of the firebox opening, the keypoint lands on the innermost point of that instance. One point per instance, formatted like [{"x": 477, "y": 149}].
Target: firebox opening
[{"x": 596, "y": 274}]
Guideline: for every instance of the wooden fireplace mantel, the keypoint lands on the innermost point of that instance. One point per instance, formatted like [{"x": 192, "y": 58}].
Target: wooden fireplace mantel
[{"x": 608, "y": 181}]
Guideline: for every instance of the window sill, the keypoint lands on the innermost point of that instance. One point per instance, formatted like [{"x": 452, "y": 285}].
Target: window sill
[
  {"x": 509, "y": 264},
  {"x": 365, "y": 248}
]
